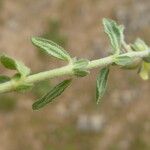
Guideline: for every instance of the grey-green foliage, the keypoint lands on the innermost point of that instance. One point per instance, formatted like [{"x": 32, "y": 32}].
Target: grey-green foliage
[
  {"x": 13, "y": 64},
  {"x": 140, "y": 45},
  {"x": 51, "y": 95},
  {"x": 80, "y": 67},
  {"x": 22, "y": 86},
  {"x": 101, "y": 83},
  {"x": 144, "y": 70},
  {"x": 123, "y": 60},
  {"x": 51, "y": 48},
  {"x": 115, "y": 34},
  {"x": 4, "y": 79}
]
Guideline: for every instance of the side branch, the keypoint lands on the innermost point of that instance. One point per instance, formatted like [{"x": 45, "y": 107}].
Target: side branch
[{"x": 68, "y": 70}]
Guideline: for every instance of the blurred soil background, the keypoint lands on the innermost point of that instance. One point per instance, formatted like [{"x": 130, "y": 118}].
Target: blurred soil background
[{"x": 74, "y": 121}]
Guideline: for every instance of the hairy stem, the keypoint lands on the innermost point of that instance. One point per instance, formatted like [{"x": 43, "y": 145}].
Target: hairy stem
[{"x": 68, "y": 70}]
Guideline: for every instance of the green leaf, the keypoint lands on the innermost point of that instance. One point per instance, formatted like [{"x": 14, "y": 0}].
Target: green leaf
[
  {"x": 21, "y": 85},
  {"x": 139, "y": 45},
  {"x": 145, "y": 71},
  {"x": 80, "y": 67},
  {"x": 121, "y": 30},
  {"x": 51, "y": 48},
  {"x": 101, "y": 83},
  {"x": 51, "y": 95},
  {"x": 13, "y": 64},
  {"x": 81, "y": 73},
  {"x": 24, "y": 87},
  {"x": 123, "y": 60},
  {"x": 80, "y": 63},
  {"x": 16, "y": 77},
  {"x": 4, "y": 78},
  {"x": 115, "y": 34}
]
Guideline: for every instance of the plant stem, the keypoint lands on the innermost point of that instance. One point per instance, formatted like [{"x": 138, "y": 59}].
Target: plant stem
[
  {"x": 68, "y": 70},
  {"x": 126, "y": 46}
]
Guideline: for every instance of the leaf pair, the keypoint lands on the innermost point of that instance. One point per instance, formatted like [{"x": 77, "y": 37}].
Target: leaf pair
[
  {"x": 20, "y": 84},
  {"x": 140, "y": 45},
  {"x": 115, "y": 34},
  {"x": 13, "y": 64},
  {"x": 22, "y": 70},
  {"x": 144, "y": 71},
  {"x": 51, "y": 95},
  {"x": 51, "y": 48},
  {"x": 80, "y": 67},
  {"x": 101, "y": 83}
]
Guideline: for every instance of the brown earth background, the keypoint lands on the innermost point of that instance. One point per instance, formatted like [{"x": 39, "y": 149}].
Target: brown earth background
[{"x": 74, "y": 121}]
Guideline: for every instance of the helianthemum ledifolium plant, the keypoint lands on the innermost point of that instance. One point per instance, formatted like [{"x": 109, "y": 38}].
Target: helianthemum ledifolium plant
[{"x": 126, "y": 56}]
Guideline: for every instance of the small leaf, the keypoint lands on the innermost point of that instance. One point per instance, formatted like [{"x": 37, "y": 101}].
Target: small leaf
[
  {"x": 101, "y": 83},
  {"x": 115, "y": 33},
  {"x": 13, "y": 64},
  {"x": 81, "y": 63},
  {"x": 4, "y": 78},
  {"x": 51, "y": 95},
  {"x": 79, "y": 67},
  {"x": 21, "y": 85},
  {"x": 123, "y": 60},
  {"x": 139, "y": 45},
  {"x": 16, "y": 77},
  {"x": 24, "y": 87},
  {"x": 145, "y": 71},
  {"x": 80, "y": 73},
  {"x": 51, "y": 48}
]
